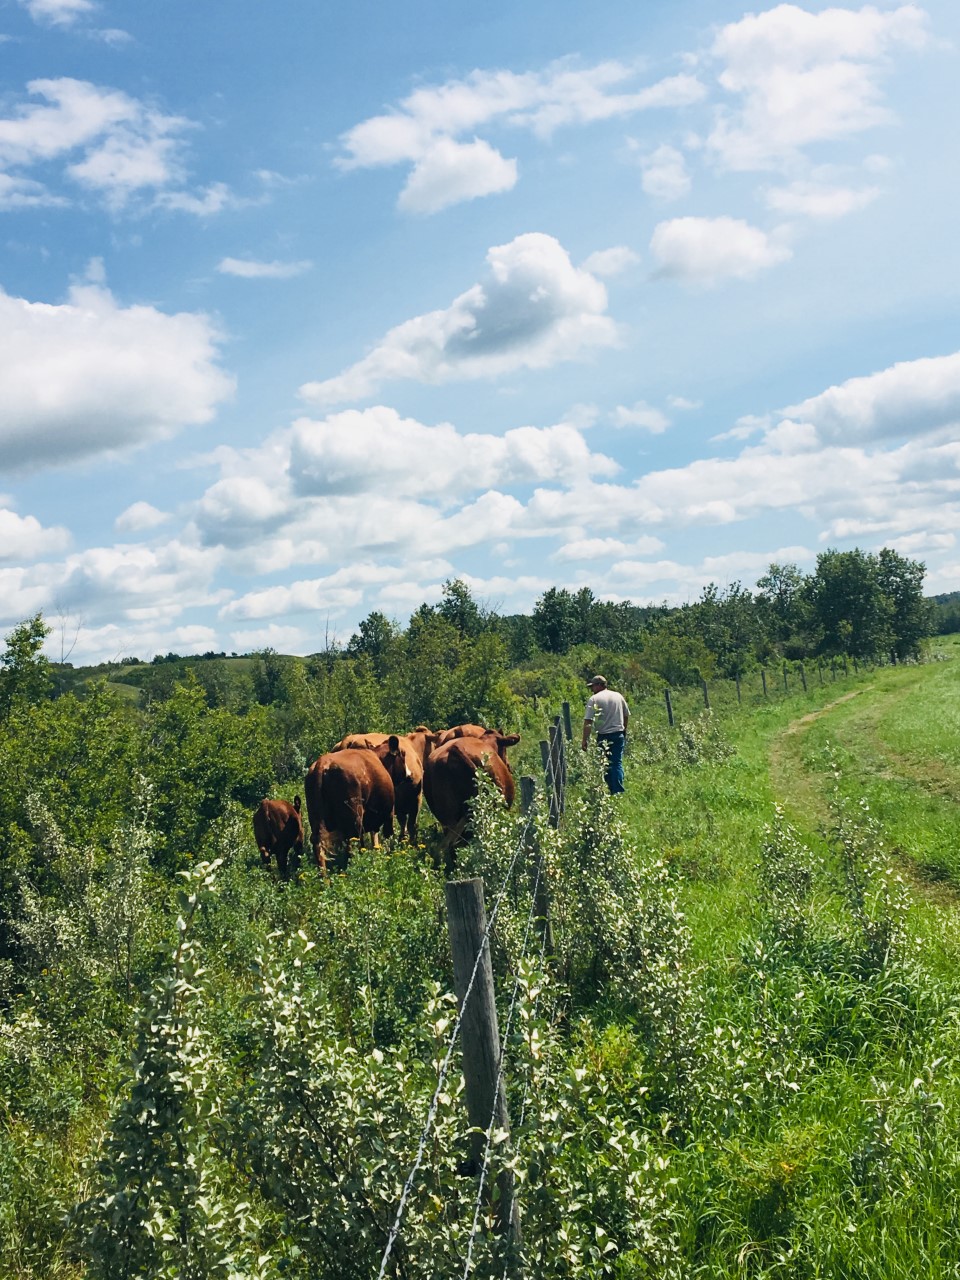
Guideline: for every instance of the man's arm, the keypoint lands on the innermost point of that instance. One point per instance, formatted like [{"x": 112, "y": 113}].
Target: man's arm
[{"x": 587, "y": 726}]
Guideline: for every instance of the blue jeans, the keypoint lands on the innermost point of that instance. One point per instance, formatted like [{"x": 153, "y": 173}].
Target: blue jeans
[{"x": 612, "y": 745}]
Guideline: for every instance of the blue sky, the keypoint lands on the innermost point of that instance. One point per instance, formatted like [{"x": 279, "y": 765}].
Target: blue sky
[{"x": 303, "y": 313}]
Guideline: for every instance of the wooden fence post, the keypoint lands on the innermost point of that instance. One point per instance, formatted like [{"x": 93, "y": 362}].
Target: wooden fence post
[
  {"x": 845, "y": 670},
  {"x": 558, "y": 760},
  {"x": 538, "y": 884},
  {"x": 479, "y": 1034},
  {"x": 666, "y": 695},
  {"x": 737, "y": 677},
  {"x": 786, "y": 687},
  {"x": 820, "y": 671},
  {"x": 763, "y": 677},
  {"x": 567, "y": 726},
  {"x": 551, "y": 781},
  {"x": 803, "y": 678},
  {"x": 706, "y": 695}
]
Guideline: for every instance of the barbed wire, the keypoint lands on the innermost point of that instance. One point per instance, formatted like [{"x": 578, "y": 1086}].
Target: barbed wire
[
  {"x": 448, "y": 1057},
  {"x": 488, "y": 1145}
]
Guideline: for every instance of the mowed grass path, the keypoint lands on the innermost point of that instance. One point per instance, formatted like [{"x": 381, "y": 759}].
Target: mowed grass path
[{"x": 896, "y": 741}]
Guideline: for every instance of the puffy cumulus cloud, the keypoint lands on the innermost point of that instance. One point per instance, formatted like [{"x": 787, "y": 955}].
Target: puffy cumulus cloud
[
  {"x": 641, "y": 415},
  {"x": 141, "y": 639},
  {"x": 57, "y": 13},
  {"x": 25, "y": 538},
  {"x": 611, "y": 262},
  {"x": 451, "y": 172},
  {"x": 803, "y": 78},
  {"x": 139, "y": 516},
  {"x": 426, "y": 130},
  {"x": 705, "y": 251},
  {"x": 109, "y": 143},
  {"x": 239, "y": 509},
  {"x": 533, "y": 309},
  {"x": 684, "y": 404},
  {"x": 819, "y": 200},
  {"x": 910, "y": 398},
  {"x": 413, "y": 460},
  {"x": 90, "y": 376},
  {"x": 250, "y": 269},
  {"x": 332, "y": 593},
  {"x": 665, "y": 175},
  {"x": 129, "y": 581},
  {"x": 609, "y": 549}
]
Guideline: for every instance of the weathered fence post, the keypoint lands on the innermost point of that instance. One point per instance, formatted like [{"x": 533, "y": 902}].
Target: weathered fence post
[
  {"x": 820, "y": 671},
  {"x": 479, "y": 1034},
  {"x": 546, "y": 757},
  {"x": 666, "y": 695},
  {"x": 706, "y": 695},
  {"x": 786, "y": 687},
  {"x": 763, "y": 677},
  {"x": 833, "y": 669},
  {"x": 558, "y": 761},
  {"x": 538, "y": 883},
  {"x": 803, "y": 678},
  {"x": 737, "y": 678},
  {"x": 567, "y": 726},
  {"x": 845, "y": 670}
]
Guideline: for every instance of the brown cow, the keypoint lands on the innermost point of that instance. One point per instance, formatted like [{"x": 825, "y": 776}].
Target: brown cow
[
  {"x": 408, "y": 788},
  {"x": 463, "y": 731},
  {"x": 450, "y": 779},
  {"x": 348, "y": 793},
  {"x": 278, "y": 830}
]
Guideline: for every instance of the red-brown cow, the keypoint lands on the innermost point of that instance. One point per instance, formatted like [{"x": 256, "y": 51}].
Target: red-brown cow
[
  {"x": 278, "y": 830},
  {"x": 408, "y": 788},
  {"x": 463, "y": 731},
  {"x": 450, "y": 779},
  {"x": 348, "y": 793}
]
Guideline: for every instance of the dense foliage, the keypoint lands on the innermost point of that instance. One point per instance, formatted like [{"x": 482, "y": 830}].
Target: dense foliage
[{"x": 736, "y": 1059}]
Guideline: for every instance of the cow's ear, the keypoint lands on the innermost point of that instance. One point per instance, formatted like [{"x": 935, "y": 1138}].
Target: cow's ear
[
  {"x": 509, "y": 739},
  {"x": 393, "y": 742},
  {"x": 296, "y": 803}
]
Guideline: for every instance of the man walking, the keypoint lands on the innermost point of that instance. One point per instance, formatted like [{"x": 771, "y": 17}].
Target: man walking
[{"x": 608, "y": 710}]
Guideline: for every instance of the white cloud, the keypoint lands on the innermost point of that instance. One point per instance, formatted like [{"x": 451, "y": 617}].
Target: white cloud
[
  {"x": 275, "y": 636},
  {"x": 413, "y": 460},
  {"x": 451, "y": 172},
  {"x": 610, "y": 262},
  {"x": 57, "y": 13},
  {"x": 25, "y": 538},
  {"x": 665, "y": 175},
  {"x": 606, "y": 548},
  {"x": 683, "y": 404},
  {"x": 90, "y": 376},
  {"x": 139, "y": 516},
  {"x": 25, "y": 193},
  {"x": 427, "y": 128},
  {"x": 533, "y": 309},
  {"x": 642, "y": 415},
  {"x": 804, "y": 78},
  {"x": 819, "y": 200},
  {"x": 125, "y": 146},
  {"x": 249, "y": 269},
  {"x": 211, "y": 200},
  {"x": 908, "y": 399},
  {"x": 705, "y": 251}
]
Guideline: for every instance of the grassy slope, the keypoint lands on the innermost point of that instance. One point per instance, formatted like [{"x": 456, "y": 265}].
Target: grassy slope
[{"x": 779, "y": 1184}]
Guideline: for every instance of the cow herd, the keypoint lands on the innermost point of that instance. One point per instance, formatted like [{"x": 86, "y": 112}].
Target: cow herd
[{"x": 368, "y": 781}]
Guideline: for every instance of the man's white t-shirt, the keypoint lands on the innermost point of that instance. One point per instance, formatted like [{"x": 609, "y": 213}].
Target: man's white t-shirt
[{"x": 607, "y": 710}]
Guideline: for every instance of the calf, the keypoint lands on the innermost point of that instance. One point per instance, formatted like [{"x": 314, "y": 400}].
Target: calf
[{"x": 278, "y": 830}]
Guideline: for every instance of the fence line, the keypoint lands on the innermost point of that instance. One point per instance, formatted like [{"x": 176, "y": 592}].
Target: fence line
[{"x": 445, "y": 1065}]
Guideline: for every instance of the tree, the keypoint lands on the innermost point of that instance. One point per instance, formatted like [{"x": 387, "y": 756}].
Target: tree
[
  {"x": 460, "y": 609},
  {"x": 781, "y": 600},
  {"x": 901, "y": 581},
  {"x": 555, "y": 620},
  {"x": 851, "y": 612},
  {"x": 25, "y": 675},
  {"x": 376, "y": 637}
]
